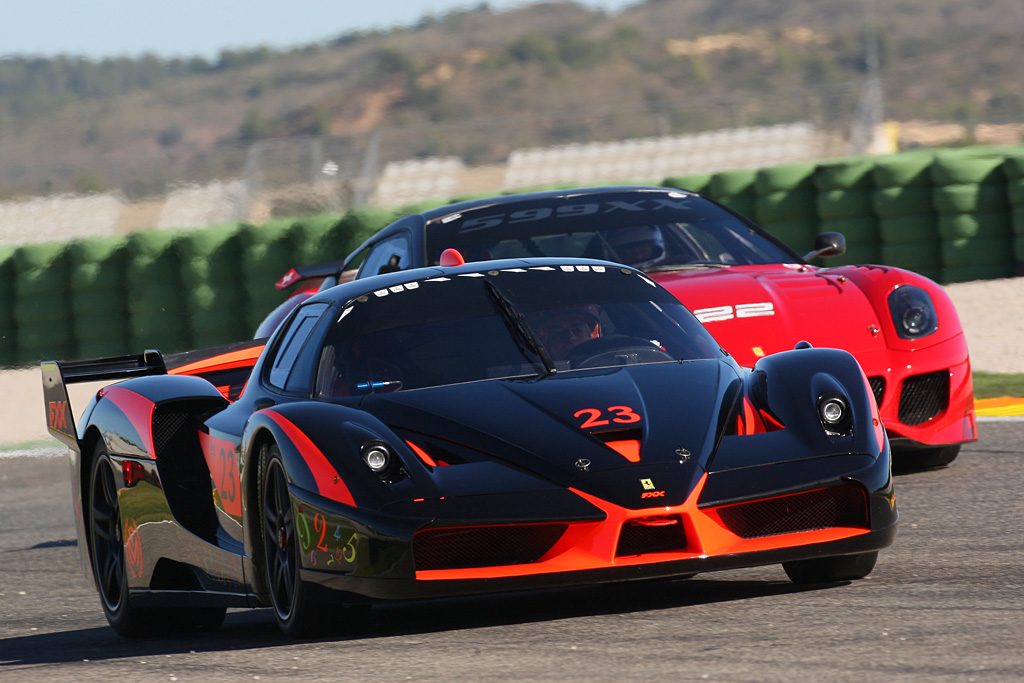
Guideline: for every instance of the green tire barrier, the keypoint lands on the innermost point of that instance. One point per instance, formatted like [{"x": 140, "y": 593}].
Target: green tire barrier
[
  {"x": 839, "y": 204},
  {"x": 782, "y": 206},
  {"x": 344, "y": 234},
  {"x": 743, "y": 204},
  {"x": 1013, "y": 167},
  {"x": 697, "y": 182},
  {"x": 953, "y": 274},
  {"x": 99, "y": 296},
  {"x": 910, "y": 200},
  {"x": 970, "y": 197},
  {"x": 799, "y": 235},
  {"x": 913, "y": 229},
  {"x": 845, "y": 174},
  {"x": 867, "y": 252},
  {"x": 954, "y": 167},
  {"x": 859, "y": 230},
  {"x": 978, "y": 251},
  {"x": 8, "y": 327},
  {"x": 1015, "y": 190},
  {"x": 271, "y": 252},
  {"x": 735, "y": 190},
  {"x": 42, "y": 289},
  {"x": 916, "y": 256},
  {"x": 732, "y": 183},
  {"x": 799, "y": 176},
  {"x": 974, "y": 225},
  {"x": 212, "y": 277},
  {"x": 157, "y": 307},
  {"x": 908, "y": 169}
]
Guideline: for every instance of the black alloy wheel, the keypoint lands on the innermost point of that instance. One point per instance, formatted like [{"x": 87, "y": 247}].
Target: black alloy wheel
[
  {"x": 296, "y": 614},
  {"x": 106, "y": 545},
  {"x": 106, "y": 551}
]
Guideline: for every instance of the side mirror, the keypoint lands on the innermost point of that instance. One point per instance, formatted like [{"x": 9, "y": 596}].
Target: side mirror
[{"x": 827, "y": 244}]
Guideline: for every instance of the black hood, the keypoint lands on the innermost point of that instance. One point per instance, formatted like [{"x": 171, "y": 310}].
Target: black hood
[{"x": 547, "y": 426}]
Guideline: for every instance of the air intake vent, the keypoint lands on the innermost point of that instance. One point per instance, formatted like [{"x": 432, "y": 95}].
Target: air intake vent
[
  {"x": 660, "y": 534},
  {"x": 838, "y": 506},
  {"x": 923, "y": 397},
  {"x": 484, "y": 546},
  {"x": 877, "y": 388}
]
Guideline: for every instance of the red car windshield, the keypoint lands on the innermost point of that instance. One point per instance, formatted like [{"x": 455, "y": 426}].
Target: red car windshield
[
  {"x": 516, "y": 322},
  {"x": 649, "y": 230}
]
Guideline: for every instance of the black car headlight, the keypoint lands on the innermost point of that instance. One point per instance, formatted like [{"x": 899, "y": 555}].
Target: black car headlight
[
  {"x": 913, "y": 312},
  {"x": 835, "y": 415},
  {"x": 382, "y": 461}
]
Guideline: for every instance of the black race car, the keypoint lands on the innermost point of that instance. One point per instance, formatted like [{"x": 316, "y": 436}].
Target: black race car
[{"x": 444, "y": 431}]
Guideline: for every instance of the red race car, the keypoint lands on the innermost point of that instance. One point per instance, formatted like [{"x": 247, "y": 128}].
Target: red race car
[{"x": 753, "y": 293}]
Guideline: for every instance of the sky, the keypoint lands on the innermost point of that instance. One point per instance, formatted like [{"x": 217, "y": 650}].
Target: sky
[{"x": 187, "y": 28}]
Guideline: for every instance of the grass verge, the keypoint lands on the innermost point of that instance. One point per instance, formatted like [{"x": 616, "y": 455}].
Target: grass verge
[{"x": 994, "y": 385}]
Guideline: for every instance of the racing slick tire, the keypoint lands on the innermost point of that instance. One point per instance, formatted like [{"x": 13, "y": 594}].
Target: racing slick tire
[
  {"x": 297, "y": 613},
  {"x": 107, "y": 555},
  {"x": 831, "y": 569}
]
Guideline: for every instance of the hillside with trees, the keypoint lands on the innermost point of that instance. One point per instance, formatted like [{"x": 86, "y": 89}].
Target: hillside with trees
[{"x": 479, "y": 83}]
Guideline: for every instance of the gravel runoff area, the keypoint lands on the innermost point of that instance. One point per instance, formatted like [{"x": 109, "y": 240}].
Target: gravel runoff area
[{"x": 991, "y": 312}]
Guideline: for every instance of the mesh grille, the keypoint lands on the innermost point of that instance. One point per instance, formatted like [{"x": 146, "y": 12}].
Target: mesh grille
[
  {"x": 168, "y": 432},
  {"x": 923, "y": 397},
  {"x": 821, "y": 509},
  {"x": 651, "y": 535},
  {"x": 484, "y": 546},
  {"x": 877, "y": 388}
]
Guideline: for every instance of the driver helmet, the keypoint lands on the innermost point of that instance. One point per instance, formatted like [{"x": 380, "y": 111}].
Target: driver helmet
[
  {"x": 563, "y": 329},
  {"x": 639, "y": 246}
]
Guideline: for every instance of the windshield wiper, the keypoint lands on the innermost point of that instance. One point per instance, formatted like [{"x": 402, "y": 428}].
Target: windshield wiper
[
  {"x": 687, "y": 266},
  {"x": 520, "y": 330}
]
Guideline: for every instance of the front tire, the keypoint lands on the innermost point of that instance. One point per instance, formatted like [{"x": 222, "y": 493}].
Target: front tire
[
  {"x": 296, "y": 614},
  {"x": 831, "y": 569}
]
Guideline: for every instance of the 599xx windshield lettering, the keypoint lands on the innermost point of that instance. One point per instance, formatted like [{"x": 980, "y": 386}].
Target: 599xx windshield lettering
[{"x": 570, "y": 211}]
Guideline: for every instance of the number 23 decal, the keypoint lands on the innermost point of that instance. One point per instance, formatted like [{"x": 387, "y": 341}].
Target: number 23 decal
[{"x": 622, "y": 415}]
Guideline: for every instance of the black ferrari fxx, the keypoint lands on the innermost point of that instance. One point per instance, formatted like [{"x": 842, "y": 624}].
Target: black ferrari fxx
[{"x": 444, "y": 431}]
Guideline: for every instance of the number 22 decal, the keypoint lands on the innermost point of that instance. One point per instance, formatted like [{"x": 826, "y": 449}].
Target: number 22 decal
[{"x": 622, "y": 415}]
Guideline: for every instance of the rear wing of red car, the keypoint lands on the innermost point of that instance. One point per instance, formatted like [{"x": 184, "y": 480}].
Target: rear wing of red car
[{"x": 57, "y": 374}]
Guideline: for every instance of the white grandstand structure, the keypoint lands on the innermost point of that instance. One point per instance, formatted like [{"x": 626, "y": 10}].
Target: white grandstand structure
[
  {"x": 407, "y": 182},
  {"x": 661, "y": 157}
]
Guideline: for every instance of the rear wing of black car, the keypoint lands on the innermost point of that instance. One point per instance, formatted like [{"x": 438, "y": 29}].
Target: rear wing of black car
[{"x": 60, "y": 419}]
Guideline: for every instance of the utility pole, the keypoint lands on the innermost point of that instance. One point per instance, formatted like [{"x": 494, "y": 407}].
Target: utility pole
[{"x": 870, "y": 108}]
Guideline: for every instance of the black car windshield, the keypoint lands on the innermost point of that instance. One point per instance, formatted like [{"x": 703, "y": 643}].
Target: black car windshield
[
  {"x": 514, "y": 322},
  {"x": 649, "y": 230}
]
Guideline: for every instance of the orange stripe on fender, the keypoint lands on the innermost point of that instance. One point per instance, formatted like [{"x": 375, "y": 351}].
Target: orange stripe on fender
[{"x": 328, "y": 483}]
